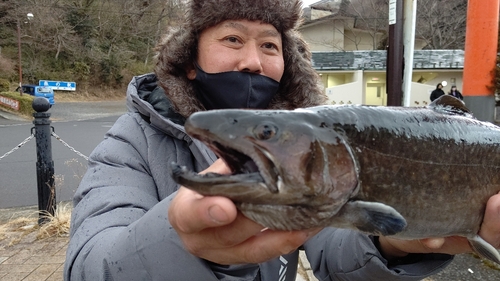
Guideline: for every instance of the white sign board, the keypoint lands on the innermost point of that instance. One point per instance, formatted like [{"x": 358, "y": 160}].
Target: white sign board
[
  {"x": 392, "y": 11},
  {"x": 58, "y": 85}
]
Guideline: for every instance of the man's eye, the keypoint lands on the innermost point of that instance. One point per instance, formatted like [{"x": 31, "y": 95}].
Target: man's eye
[
  {"x": 232, "y": 39},
  {"x": 270, "y": 46}
]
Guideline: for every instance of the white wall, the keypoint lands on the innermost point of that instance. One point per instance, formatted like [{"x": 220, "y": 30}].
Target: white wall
[
  {"x": 420, "y": 93},
  {"x": 341, "y": 89},
  {"x": 326, "y": 37},
  {"x": 334, "y": 79},
  {"x": 336, "y": 35},
  {"x": 349, "y": 93}
]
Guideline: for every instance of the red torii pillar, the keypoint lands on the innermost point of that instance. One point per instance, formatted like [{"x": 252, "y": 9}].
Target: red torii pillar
[{"x": 481, "y": 40}]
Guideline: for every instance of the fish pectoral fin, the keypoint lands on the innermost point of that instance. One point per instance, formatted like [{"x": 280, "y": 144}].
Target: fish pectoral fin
[
  {"x": 484, "y": 249},
  {"x": 370, "y": 217}
]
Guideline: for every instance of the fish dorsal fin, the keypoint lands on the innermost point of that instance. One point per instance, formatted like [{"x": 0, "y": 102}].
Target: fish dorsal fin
[{"x": 450, "y": 104}]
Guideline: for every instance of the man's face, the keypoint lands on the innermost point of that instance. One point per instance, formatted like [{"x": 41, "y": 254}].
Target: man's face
[{"x": 241, "y": 45}]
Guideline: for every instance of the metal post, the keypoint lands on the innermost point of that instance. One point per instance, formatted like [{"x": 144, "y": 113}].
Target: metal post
[
  {"x": 394, "y": 70},
  {"x": 44, "y": 164},
  {"x": 19, "y": 56},
  {"x": 410, "y": 12}
]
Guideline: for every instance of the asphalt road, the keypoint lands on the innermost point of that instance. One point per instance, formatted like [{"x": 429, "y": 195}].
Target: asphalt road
[
  {"x": 467, "y": 267},
  {"x": 81, "y": 125}
]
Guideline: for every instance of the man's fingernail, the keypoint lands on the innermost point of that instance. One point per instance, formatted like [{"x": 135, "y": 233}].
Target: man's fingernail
[
  {"x": 217, "y": 214},
  {"x": 435, "y": 243}
]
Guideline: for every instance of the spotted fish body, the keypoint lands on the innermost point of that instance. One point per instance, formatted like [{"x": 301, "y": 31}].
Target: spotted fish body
[{"x": 407, "y": 172}]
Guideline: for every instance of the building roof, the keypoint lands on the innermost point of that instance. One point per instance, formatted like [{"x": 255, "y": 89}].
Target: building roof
[
  {"x": 377, "y": 60},
  {"x": 327, "y": 5},
  {"x": 332, "y": 9}
]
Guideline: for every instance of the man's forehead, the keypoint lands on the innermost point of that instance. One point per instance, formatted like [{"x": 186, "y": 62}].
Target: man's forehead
[{"x": 269, "y": 29}]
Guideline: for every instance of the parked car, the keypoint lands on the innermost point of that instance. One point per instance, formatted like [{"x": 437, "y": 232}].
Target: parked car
[{"x": 39, "y": 91}]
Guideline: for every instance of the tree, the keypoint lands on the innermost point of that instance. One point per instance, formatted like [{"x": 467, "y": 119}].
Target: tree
[
  {"x": 96, "y": 42},
  {"x": 441, "y": 23},
  {"x": 371, "y": 18}
]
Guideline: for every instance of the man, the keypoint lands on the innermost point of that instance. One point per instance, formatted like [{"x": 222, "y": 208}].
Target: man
[
  {"x": 131, "y": 221},
  {"x": 437, "y": 92}
]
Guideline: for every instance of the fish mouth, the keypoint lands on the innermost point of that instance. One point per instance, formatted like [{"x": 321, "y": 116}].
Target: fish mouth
[
  {"x": 251, "y": 160},
  {"x": 255, "y": 171}
]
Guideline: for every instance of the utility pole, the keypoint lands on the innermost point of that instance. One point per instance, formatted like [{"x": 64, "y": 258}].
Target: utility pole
[
  {"x": 410, "y": 12},
  {"x": 394, "y": 72},
  {"x": 29, "y": 16},
  {"x": 19, "y": 56}
]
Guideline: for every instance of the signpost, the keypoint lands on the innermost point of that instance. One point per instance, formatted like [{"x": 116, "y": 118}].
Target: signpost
[{"x": 58, "y": 85}]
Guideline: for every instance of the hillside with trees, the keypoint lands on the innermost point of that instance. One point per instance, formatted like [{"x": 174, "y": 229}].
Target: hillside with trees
[
  {"x": 102, "y": 43},
  {"x": 97, "y": 43}
]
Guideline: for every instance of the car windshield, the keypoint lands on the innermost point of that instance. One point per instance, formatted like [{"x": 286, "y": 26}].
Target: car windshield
[{"x": 44, "y": 90}]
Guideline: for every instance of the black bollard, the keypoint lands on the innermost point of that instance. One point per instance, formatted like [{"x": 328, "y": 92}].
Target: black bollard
[{"x": 44, "y": 163}]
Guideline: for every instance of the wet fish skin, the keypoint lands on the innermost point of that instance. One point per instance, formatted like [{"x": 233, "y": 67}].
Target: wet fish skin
[{"x": 408, "y": 172}]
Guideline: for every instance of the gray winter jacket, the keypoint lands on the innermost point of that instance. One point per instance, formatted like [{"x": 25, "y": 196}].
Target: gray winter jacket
[{"x": 120, "y": 230}]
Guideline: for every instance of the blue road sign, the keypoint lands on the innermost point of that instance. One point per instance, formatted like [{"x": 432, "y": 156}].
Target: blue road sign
[{"x": 58, "y": 85}]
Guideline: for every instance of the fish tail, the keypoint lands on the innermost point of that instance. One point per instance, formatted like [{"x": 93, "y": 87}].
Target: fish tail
[{"x": 484, "y": 249}]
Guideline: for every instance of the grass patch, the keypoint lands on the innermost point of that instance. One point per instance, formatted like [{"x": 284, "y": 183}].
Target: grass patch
[
  {"x": 25, "y": 103},
  {"x": 57, "y": 225},
  {"x": 90, "y": 94}
]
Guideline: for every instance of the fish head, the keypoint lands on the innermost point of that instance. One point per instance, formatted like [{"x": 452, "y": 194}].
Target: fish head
[{"x": 277, "y": 158}]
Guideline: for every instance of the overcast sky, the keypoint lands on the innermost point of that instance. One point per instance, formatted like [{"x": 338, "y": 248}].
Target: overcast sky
[{"x": 308, "y": 2}]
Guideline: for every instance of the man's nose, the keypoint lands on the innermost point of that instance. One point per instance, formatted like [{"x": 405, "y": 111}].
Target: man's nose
[{"x": 250, "y": 60}]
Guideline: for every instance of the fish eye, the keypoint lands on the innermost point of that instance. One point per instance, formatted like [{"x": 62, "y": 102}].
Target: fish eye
[{"x": 265, "y": 131}]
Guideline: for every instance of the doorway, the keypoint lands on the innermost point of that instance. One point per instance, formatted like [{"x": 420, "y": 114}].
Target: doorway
[{"x": 375, "y": 94}]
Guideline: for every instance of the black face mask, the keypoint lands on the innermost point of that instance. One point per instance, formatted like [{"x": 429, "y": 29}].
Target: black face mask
[{"x": 234, "y": 89}]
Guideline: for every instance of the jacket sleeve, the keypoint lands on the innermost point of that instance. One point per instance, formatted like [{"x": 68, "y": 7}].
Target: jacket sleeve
[
  {"x": 119, "y": 228},
  {"x": 341, "y": 254}
]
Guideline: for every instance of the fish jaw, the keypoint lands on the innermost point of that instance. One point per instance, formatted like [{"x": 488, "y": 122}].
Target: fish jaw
[{"x": 236, "y": 187}]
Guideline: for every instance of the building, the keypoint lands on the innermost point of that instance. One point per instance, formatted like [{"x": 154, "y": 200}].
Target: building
[
  {"x": 345, "y": 54},
  {"x": 359, "y": 77}
]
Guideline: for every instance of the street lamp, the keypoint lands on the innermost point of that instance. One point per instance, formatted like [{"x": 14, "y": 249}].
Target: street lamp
[{"x": 29, "y": 16}]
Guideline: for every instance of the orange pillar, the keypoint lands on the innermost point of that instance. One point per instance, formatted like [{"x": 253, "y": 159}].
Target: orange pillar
[{"x": 481, "y": 39}]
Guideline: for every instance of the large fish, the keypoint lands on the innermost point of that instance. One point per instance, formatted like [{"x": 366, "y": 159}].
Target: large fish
[{"x": 408, "y": 172}]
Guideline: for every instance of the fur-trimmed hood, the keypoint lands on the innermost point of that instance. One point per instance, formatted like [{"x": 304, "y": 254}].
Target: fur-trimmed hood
[{"x": 300, "y": 85}]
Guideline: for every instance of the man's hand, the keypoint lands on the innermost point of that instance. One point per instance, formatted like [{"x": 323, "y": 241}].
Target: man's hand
[
  {"x": 490, "y": 232},
  {"x": 212, "y": 228}
]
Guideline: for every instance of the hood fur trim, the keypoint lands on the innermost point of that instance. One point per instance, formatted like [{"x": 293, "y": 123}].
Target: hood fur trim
[{"x": 300, "y": 85}]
